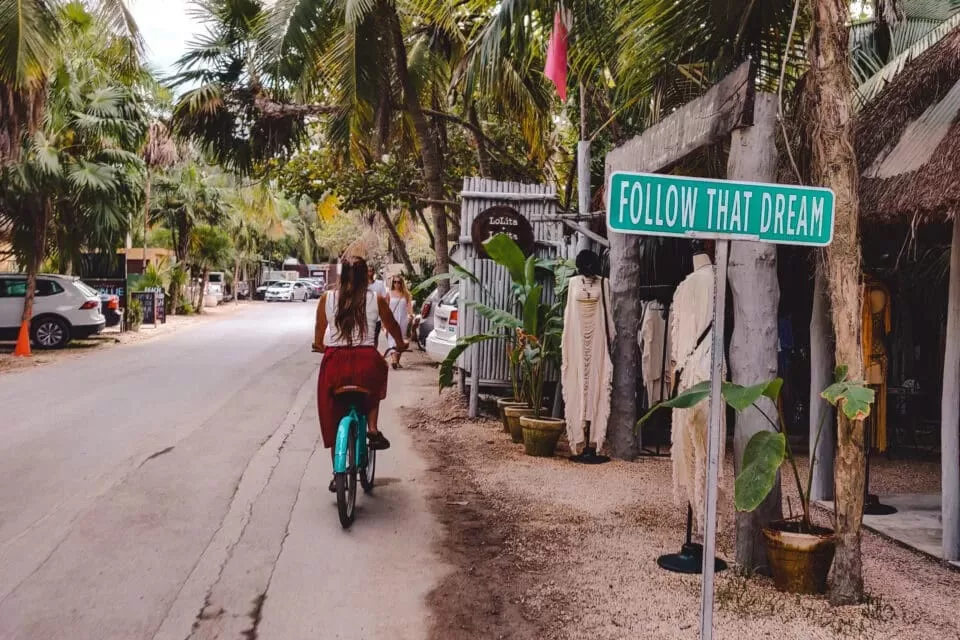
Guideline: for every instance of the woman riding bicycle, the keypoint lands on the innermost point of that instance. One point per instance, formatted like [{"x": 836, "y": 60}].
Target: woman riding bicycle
[{"x": 345, "y": 331}]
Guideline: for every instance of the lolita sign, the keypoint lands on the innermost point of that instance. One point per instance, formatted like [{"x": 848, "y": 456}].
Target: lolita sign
[{"x": 502, "y": 219}]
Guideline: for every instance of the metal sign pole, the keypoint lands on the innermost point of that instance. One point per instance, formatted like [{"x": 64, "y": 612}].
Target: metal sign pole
[{"x": 715, "y": 440}]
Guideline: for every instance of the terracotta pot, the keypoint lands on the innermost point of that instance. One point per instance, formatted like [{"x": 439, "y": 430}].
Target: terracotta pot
[
  {"x": 540, "y": 435},
  {"x": 513, "y": 415},
  {"x": 799, "y": 562},
  {"x": 502, "y": 403}
]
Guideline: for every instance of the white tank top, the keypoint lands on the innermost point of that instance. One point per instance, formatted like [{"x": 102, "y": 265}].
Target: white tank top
[{"x": 333, "y": 337}]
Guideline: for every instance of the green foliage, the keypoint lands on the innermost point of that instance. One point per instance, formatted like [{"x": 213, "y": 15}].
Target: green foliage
[
  {"x": 211, "y": 247},
  {"x": 531, "y": 328},
  {"x": 761, "y": 461},
  {"x": 854, "y": 398},
  {"x": 133, "y": 314},
  {"x": 767, "y": 450}
]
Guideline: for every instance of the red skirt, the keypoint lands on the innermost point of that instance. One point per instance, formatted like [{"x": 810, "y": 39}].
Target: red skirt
[{"x": 343, "y": 366}]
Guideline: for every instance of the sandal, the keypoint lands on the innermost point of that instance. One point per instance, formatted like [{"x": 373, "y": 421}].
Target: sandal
[{"x": 378, "y": 442}]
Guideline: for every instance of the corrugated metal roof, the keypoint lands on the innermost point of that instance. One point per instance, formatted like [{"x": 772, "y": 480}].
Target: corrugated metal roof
[{"x": 919, "y": 140}]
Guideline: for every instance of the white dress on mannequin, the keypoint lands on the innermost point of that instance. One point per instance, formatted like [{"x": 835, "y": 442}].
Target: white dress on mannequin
[
  {"x": 691, "y": 316},
  {"x": 586, "y": 370}
]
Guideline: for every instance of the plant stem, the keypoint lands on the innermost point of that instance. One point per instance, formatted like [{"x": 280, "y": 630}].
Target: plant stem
[{"x": 780, "y": 427}]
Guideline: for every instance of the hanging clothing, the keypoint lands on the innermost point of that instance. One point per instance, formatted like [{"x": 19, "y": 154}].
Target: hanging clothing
[
  {"x": 586, "y": 368},
  {"x": 654, "y": 339},
  {"x": 876, "y": 326},
  {"x": 691, "y": 337},
  {"x": 400, "y": 310}
]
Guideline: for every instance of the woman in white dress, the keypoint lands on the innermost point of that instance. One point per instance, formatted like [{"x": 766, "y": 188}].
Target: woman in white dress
[{"x": 401, "y": 307}]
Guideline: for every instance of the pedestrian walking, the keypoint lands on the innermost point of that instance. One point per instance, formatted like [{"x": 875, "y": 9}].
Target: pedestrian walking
[{"x": 401, "y": 307}]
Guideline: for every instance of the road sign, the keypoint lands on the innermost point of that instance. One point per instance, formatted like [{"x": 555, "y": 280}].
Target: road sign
[{"x": 662, "y": 205}]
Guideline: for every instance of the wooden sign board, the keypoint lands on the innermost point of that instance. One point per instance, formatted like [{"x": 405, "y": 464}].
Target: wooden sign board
[{"x": 502, "y": 219}]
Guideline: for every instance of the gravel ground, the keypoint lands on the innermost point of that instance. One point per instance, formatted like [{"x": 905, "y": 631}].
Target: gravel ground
[
  {"x": 571, "y": 552},
  {"x": 112, "y": 337}
]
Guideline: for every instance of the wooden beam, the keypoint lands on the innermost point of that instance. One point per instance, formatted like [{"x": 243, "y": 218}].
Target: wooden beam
[
  {"x": 950, "y": 411},
  {"x": 704, "y": 121}
]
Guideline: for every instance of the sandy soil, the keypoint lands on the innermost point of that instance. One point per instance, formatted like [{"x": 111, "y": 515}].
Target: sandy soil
[
  {"x": 112, "y": 337},
  {"x": 548, "y": 549}
]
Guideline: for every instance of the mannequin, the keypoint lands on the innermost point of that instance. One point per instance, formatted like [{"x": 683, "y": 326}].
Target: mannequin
[
  {"x": 690, "y": 336},
  {"x": 586, "y": 369},
  {"x": 876, "y": 328}
]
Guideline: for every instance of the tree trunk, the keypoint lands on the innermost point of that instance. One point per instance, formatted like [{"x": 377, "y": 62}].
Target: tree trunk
[
  {"x": 835, "y": 167},
  {"x": 821, "y": 375},
  {"x": 483, "y": 157},
  {"x": 203, "y": 289},
  {"x": 146, "y": 220},
  {"x": 752, "y": 274},
  {"x": 426, "y": 225},
  {"x": 625, "y": 307},
  {"x": 950, "y": 411},
  {"x": 427, "y": 142},
  {"x": 236, "y": 280},
  {"x": 399, "y": 246},
  {"x": 37, "y": 256}
]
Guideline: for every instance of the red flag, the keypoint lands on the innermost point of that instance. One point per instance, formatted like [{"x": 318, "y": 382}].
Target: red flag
[{"x": 556, "y": 67}]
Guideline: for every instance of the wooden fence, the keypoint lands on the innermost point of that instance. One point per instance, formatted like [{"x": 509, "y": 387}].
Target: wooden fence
[{"x": 485, "y": 364}]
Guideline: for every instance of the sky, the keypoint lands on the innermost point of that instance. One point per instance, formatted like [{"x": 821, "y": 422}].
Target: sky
[{"x": 166, "y": 27}]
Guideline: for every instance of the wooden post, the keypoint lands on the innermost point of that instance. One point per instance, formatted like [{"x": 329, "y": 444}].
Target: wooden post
[
  {"x": 821, "y": 375},
  {"x": 474, "y": 352},
  {"x": 701, "y": 122},
  {"x": 756, "y": 296},
  {"x": 950, "y": 411}
]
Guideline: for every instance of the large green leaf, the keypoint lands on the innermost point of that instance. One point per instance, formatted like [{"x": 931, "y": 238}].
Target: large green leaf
[
  {"x": 684, "y": 400},
  {"x": 853, "y": 398},
  {"x": 503, "y": 250},
  {"x": 531, "y": 308},
  {"x": 529, "y": 271},
  {"x": 450, "y": 362},
  {"x": 761, "y": 461},
  {"x": 740, "y": 397},
  {"x": 498, "y": 317}
]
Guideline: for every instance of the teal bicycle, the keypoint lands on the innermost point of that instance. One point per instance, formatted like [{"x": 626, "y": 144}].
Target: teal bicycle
[{"x": 352, "y": 457}]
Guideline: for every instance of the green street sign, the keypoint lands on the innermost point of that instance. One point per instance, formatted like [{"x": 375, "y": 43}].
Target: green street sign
[{"x": 662, "y": 205}]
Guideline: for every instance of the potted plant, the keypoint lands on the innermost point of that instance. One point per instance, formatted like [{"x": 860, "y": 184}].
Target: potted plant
[{"x": 800, "y": 552}]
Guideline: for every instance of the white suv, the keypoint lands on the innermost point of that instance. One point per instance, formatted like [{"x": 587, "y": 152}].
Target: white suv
[{"x": 63, "y": 309}]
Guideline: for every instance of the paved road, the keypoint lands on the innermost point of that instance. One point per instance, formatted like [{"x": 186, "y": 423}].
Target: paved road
[{"x": 175, "y": 489}]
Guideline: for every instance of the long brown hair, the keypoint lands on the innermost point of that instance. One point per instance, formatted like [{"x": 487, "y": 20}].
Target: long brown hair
[
  {"x": 352, "y": 299},
  {"x": 403, "y": 289}
]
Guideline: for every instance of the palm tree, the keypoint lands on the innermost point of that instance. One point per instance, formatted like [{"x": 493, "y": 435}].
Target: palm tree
[
  {"x": 159, "y": 152},
  {"x": 78, "y": 175},
  {"x": 29, "y": 38},
  {"x": 211, "y": 248}
]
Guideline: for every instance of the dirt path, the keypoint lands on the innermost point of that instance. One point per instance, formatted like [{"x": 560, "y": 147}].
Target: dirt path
[{"x": 548, "y": 549}]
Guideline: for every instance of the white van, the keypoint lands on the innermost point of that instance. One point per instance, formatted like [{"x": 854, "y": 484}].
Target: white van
[{"x": 215, "y": 288}]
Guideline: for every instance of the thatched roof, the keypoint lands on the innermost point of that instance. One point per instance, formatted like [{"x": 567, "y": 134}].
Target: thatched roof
[{"x": 908, "y": 140}]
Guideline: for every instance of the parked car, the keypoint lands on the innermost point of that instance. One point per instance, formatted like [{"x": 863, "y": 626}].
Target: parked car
[
  {"x": 288, "y": 292},
  {"x": 64, "y": 309},
  {"x": 313, "y": 288},
  {"x": 261, "y": 291},
  {"x": 443, "y": 337},
  {"x": 243, "y": 290},
  {"x": 423, "y": 321},
  {"x": 110, "y": 308}
]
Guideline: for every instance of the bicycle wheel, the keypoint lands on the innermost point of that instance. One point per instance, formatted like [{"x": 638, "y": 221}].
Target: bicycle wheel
[
  {"x": 369, "y": 471},
  {"x": 347, "y": 482}
]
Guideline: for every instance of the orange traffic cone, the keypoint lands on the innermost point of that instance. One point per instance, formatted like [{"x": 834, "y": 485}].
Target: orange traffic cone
[{"x": 23, "y": 341}]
